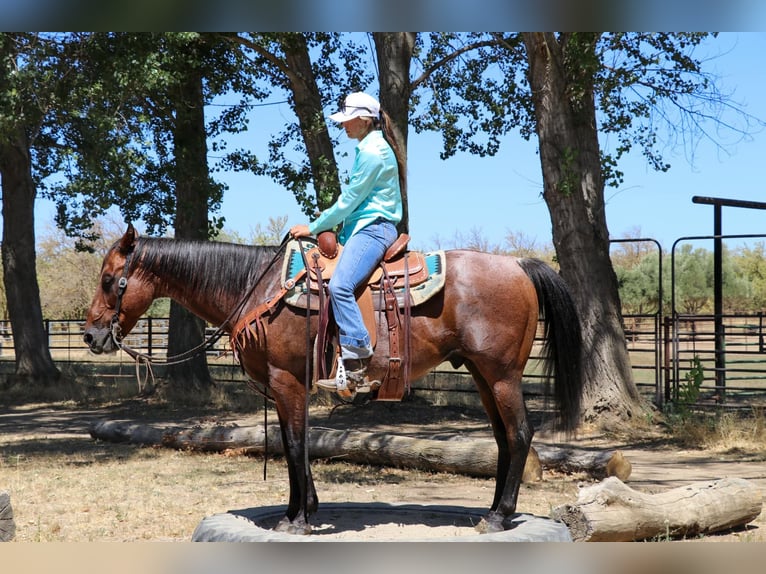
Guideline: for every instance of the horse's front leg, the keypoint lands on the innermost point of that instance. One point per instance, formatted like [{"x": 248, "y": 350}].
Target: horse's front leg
[{"x": 290, "y": 397}]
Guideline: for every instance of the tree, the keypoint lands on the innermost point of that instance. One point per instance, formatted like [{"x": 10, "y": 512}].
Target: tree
[
  {"x": 566, "y": 89},
  {"x": 193, "y": 192},
  {"x": 561, "y": 79},
  {"x": 162, "y": 85},
  {"x": 394, "y": 51},
  {"x": 639, "y": 284},
  {"x": 55, "y": 119},
  {"x": 284, "y": 61},
  {"x": 27, "y": 73},
  {"x": 65, "y": 273},
  {"x": 694, "y": 281},
  {"x": 753, "y": 263}
]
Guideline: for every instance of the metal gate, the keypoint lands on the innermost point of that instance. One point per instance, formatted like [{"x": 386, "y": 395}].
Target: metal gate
[{"x": 724, "y": 355}]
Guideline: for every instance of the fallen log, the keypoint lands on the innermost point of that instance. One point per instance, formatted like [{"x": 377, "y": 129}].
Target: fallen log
[
  {"x": 7, "y": 524},
  {"x": 610, "y": 511},
  {"x": 597, "y": 464},
  {"x": 472, "y": 457}
]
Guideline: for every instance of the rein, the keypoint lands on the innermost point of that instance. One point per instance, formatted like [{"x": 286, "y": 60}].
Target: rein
[{"x": 116, "y": 332}]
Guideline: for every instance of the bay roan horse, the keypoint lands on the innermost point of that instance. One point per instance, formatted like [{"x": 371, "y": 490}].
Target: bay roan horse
[{"x": 484, "y": 318}]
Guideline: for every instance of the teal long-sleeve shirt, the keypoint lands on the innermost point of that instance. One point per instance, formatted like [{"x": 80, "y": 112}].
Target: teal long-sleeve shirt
[{"x": 372, "y": 191}]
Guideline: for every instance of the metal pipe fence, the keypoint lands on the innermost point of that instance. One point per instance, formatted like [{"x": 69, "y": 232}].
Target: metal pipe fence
[{"x": 662, "y": 352}]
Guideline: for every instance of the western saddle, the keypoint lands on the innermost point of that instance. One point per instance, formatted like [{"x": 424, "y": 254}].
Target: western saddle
[{"x": 399, "y": 269}]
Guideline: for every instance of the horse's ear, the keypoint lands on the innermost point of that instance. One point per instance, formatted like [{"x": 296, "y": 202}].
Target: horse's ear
[{"x": 128, "y": 240}]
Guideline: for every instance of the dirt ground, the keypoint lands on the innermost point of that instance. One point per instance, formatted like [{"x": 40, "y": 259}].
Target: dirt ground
[{"x": 29, "y": 434}]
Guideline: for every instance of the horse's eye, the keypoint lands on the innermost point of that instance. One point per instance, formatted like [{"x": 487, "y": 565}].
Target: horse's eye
[{"x": 107, "y": 281}]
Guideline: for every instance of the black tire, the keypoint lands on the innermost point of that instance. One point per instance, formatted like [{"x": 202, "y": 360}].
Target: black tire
[{"x": 255, "y": 524}]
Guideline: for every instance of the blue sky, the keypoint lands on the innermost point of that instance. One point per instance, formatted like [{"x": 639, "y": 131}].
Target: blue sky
[{"x": 500, "y": 195}]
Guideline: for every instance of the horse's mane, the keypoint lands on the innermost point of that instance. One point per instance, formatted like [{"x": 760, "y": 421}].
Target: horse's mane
[{"x": 228, "y": 267}]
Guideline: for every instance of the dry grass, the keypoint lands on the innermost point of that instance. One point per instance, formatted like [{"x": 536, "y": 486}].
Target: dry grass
[
  {"x": 721, "y": 431},
  {"x": 66, "y": 487},
  {"x": 105, "y": 492}
]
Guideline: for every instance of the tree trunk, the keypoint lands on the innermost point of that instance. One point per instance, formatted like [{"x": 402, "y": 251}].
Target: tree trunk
[
  {"x": 610, "y": 511},
  {"x": 468, "y": 457},
  {"x": 308, "y": 108},
  {"x": 573, "y": 190},
  {"x": 189, "y": 380},
  {"x": 34, "y": 364},
  {"x": 394, "y": 53}
]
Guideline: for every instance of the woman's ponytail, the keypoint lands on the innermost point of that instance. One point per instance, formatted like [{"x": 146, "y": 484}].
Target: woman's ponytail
[{"x": 389, "y": 134}]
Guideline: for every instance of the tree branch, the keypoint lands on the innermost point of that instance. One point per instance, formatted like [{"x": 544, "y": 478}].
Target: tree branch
[
  {"x": 450, "y": 57},
  {"x": 261, "y": 51}
]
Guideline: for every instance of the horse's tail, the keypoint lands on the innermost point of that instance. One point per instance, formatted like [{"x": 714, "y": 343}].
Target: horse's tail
[{"x": 563, "y": 339}]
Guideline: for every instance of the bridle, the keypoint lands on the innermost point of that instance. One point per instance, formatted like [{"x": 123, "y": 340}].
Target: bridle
[{"x": 115, "y": 331}]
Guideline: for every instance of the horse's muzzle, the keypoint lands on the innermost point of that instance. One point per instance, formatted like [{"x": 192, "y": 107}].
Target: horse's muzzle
[{"x": 99, "y": 340}]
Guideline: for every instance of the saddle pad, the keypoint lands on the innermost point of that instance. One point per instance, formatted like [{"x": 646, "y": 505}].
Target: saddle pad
[{"x": 296, "y": 296}]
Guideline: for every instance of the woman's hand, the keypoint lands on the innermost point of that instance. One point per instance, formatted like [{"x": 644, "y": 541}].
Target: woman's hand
[{"x": 301, "y": 230}]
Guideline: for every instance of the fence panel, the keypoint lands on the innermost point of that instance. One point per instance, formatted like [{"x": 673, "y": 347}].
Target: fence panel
[
  {"x": 741, "y": 380},
  {"x": 662, "y": 358}
]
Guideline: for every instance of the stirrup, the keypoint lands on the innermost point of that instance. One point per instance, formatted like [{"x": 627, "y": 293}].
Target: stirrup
[
  {"x": 337, "y": 383},
  {"x": 346, "y": 382}
]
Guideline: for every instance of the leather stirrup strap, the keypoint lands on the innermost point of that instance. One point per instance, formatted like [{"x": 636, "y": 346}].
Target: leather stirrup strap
[
  {"x": 392, "y": 388},
  {"x": 323, "y": 325},
  {"x": 406, "y": 354}
]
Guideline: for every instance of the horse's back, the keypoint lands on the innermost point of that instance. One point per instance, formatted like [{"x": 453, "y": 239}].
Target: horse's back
[
  {"x": 491, "y": 304},
  {"x": 481, "y": 276}
]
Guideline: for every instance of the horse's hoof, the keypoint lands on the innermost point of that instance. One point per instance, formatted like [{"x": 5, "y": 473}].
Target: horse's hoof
[
  {"x": 288, "y": 527},
  {"x": 490, "y": 524}
]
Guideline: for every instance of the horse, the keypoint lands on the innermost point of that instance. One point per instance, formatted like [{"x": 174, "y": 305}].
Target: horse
[{"x": 485, "y": 318}]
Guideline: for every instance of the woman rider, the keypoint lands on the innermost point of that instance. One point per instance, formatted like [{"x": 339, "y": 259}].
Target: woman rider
[{"x": 369, "y": 207}]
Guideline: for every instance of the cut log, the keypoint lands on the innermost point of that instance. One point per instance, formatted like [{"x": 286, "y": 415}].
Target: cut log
[
  {"x": 610, "y": 511},
  {"x": 597, "y": 464},
  {"x": 470, "y": 457},
  {"x": 458, "y": 455},
  {"x": 7, "y": 524}
]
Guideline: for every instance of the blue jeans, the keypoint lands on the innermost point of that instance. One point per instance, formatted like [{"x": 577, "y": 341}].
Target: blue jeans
[{"x": 361, "y": 254}]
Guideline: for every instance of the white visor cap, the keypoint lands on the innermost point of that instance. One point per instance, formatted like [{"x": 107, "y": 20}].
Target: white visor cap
[{"x": 357, "y": 105}]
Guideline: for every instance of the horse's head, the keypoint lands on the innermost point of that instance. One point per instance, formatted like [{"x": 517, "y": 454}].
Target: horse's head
[{"x": 120, "y": 299}]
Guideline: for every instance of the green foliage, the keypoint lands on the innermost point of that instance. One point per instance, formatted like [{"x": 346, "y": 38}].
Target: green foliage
[
  {"x": 639, "y": 285},
  {"x": 689, "y": 391},
  {"x": 638, "y": 281},
  {"x": 338, "y": 66},
  {"x": 570, "y": 176},
  {"x": 695, "y": 279},
  {"x": 680, "y": 411},
  {"x": 638, "y": 82},
  {"x": 105, "y": 101},
  {"x": 752, "y": 263},
  {"x": 115, "y": 131}
]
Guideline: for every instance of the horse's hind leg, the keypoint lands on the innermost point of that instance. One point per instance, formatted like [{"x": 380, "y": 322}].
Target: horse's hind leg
[{"x": 504, "y": 402}]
